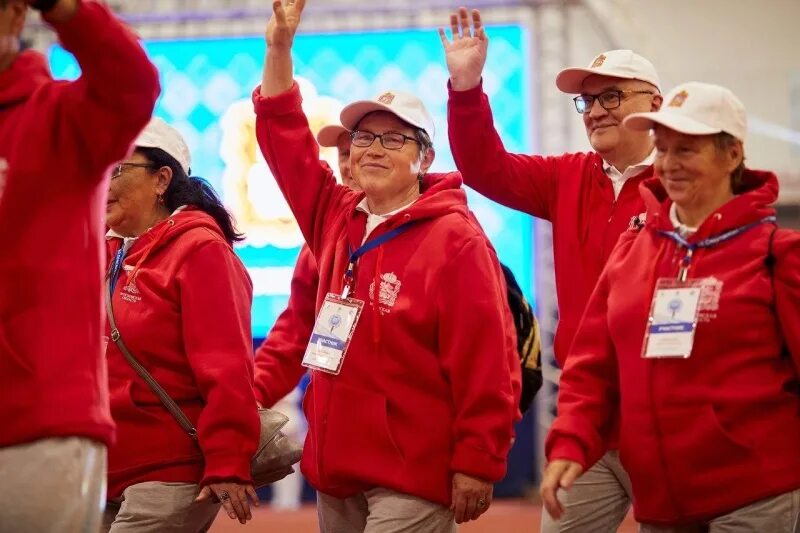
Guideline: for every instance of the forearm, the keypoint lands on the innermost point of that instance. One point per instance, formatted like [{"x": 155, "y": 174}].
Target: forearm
[{"x": 278, "y": 69}]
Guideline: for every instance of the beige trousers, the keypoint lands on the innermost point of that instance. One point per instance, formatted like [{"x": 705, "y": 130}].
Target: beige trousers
[
  {"x": 597, "y": 502},
  {"x": 382, "y": 511},
  {"x": 55, "y": 485},
  {"x": 159, "y": 506},
  {"x": 773, "y": 515}
]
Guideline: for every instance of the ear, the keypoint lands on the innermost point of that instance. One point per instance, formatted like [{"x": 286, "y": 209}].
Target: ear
[
  {"x": 163, "y": 179},
  {"x": 734, "y": 154},
  {"x": 427, "y": 160},
  {"x": 655, "y": 103}
]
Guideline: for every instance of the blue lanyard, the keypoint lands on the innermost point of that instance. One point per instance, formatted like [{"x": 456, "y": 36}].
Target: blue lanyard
[
  {"x": 356, "y": 254},
  {"x": 707, "y": 243},
  {"x": 116, "y": 267}
]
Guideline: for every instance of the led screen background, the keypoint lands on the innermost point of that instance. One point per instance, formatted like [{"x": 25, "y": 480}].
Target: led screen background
[{"x": 206, "y": 88}]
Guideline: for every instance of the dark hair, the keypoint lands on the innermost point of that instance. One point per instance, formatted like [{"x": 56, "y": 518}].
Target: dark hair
[
  {"x": 723, "y": 141},
  {"x": 195, "y": 191}
]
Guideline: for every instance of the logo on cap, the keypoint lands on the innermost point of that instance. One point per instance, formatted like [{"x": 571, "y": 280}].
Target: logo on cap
[
  {"x": 386, "y": 98},
  {"x": 678, "y": 99},
  {"x": 598, "y": 61}
]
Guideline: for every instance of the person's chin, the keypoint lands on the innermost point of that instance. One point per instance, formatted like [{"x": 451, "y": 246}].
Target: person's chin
[{"x": 603, "y": 139}]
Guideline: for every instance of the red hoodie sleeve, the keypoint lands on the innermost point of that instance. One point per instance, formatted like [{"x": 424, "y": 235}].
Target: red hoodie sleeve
[
  {"x": 522, "y": 182},
  {"x": 588, "y": 393},
  {"x": 278, "y": 368},
  {"x": 113, "y": 100},
  {"x": 216, "y": 295},
  {"x": 473, "y": 344},
  {"x": 292, "y": 153},
  {"x": 787, "y": 289}
]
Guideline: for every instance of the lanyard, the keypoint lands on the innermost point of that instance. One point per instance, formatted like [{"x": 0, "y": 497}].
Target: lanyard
[
  {"x": 707, "y": 243},
  {"x": 116, "y": 267},
  {"x": 355, "y": 255}
]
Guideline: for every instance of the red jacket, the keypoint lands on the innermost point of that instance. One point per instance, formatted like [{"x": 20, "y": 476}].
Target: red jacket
[
  {"x": 187, "y": 320},
  {"x": 278, "y": 359},
  {"x": 701, "y": 436},
  {"x": 572, "y": 191},
  {"x": 430, "y": 383},
  {"x": 55, "y": 150}
]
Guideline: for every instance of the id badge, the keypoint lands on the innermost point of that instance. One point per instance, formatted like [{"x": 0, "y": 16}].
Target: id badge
[
  {"x": 673, "y": 319},
  {"x": 332, "y": 332}
]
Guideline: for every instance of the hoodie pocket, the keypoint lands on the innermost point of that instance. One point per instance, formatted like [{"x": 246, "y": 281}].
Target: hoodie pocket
[{"x": 358, "y": 444}]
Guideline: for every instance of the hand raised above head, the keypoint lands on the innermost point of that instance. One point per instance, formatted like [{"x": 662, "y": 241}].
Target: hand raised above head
[
  {"x": 283, "y": 24},
  {"x": 466, "y": 54}
]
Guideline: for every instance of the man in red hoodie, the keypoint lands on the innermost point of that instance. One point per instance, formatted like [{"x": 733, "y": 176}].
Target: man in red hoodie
[
  {"x": 57, "y": 140},
  {"x": 590, "y": 198}
]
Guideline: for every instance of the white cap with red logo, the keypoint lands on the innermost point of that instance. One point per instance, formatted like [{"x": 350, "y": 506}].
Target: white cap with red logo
[
  {"x": 696, "y": 108},
  {"x": 159, "y": 134},
  {"x": 404, "y": 106},
  {"x": 625, "y": 64}
]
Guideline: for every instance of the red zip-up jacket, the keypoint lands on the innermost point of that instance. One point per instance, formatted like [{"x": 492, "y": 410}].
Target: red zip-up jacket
[
  {"x": 430, "y": 383},
  {"x": 55, "y": 149},
  {"x": 702, "y": 436},
  {"x": 187, "y": 321},
  {"x": 278, "y": 359},
  {"x": 572, "y": 191}
]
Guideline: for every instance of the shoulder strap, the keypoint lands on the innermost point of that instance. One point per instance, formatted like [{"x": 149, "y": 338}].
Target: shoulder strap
[{"x": 168, "y": 402}]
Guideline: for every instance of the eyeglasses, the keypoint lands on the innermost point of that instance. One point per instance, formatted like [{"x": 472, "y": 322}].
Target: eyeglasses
[
  {"x": 608, "y": 100},
  {"x": 390, "y": 141},
  {"x": 117, "y": 171}
]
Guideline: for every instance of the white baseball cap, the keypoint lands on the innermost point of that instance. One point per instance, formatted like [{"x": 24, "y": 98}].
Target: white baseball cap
[
  {"x": 624, "y": 64},
  {"x": 159, "y": 134},
  {"x": 696, "y": 108},
  {"x": 328, "y": 136},
  {"x": 405, "y": 106}
]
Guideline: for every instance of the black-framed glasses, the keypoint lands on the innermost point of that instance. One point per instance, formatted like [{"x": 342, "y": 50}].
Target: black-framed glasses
[
  {"x": 608, "y": 99},
  {"x": 117, "y": 170},
  {"x": 390, "y": 140}
]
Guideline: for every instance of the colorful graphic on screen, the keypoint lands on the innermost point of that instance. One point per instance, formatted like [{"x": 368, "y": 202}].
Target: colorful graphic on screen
[{"x": 207, "y": 85}]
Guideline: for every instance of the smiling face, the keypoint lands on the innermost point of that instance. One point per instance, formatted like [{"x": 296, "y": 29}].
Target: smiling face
[
  {"x": 695, "y": 172},
  {"x": 604, "y": 126},
  {"x": 386, "y": 175}
]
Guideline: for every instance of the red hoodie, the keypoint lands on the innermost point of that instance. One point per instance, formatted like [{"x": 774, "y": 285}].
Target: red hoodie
[
  {"x": 187, "y": 320},
  {"x": 278, "y": 359},
  {"x": 706, "y": 435},
  {"x": 55, "y": 149},
  {"x": 430, "y": 383},
  {"x": 572, "y": 191}
]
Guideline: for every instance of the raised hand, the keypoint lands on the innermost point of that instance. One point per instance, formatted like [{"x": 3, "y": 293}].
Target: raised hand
[
  {"x": 466, "y": 54},
  {"x": 283, "y": 23}
]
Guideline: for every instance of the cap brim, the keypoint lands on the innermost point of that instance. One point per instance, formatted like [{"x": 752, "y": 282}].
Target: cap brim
[
  {"x": 570, "y": 80},
  {"x": 353, "y": 113},
  {"x": 673, "y": 121},
  {"x": 328, "y": 136}
]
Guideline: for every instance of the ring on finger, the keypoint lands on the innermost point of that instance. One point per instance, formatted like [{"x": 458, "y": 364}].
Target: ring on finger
[
  {"x": 224, "y": 495},
  {"x": 481, "y": 503}
]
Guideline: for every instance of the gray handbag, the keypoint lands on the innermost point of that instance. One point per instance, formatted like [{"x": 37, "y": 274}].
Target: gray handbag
[{"x": 276, "y": 453}]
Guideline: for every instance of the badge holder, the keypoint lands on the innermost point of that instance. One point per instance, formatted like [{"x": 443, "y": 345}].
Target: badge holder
[
  {"x": 332, "y": 333},
  {"x": 672, "y": 322}
]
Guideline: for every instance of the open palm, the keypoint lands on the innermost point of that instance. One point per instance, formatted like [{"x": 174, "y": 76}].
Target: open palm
[
  {"x": 284, "y": 22},
  {"x": 466, "y": 54}
]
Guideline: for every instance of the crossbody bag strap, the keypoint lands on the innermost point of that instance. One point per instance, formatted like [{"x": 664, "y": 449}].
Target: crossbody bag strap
[{"x": 168, "y": 402}]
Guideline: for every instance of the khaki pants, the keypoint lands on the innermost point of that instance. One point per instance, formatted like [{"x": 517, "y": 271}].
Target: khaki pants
[
  {"x": 597, "y": 502},
  {"x": 53, "y": 485},
  {"x": 382, "y": 511},
  {"x": 159, "y": 506},
  {"x": 773, "y": 515}
]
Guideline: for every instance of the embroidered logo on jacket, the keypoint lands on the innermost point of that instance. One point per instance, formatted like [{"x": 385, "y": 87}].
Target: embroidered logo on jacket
[
  {"x": 3, "y": 175},
  {"x": 637, "y": 222},
  {"x": 387, "y": 295},
  {"x": 709, "y": 299},
  {"x": 130, "y": 293}
]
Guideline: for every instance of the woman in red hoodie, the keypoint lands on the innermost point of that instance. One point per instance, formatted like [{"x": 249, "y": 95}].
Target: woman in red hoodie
[
  {"x": 693, "y": 335},
  {"x": 181, "y": 301},
  {"x": 415, "y": 377}
]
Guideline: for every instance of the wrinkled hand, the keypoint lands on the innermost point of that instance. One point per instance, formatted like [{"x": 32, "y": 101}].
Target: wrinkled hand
[
  {"x": 283, "y": 23},
  {"x": 234, "y": 498},
  {"x": 466, "y": 55},
  {"x": 471, "y": 497},
  {"x": 559, "y": 474}
]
